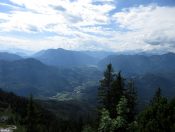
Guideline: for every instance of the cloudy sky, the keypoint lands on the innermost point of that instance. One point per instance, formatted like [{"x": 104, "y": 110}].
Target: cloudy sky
[{"x": 110, "y": 25}]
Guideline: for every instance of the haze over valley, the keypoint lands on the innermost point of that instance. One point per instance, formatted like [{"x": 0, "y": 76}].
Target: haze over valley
[
  {"x": 59, "y": 72},
  {"x": 87, "y": 65}
]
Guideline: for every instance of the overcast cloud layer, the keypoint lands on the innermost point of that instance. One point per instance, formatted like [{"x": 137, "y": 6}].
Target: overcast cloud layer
[{"x": 87, "y": 25}]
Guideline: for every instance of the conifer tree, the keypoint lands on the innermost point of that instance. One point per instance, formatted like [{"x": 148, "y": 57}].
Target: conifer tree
[
  {"x": 113, "y": 92},
  {"x": 116, "y": 92},
  {"x": 121, "y": 122},
  {"x": 105, "y": 87},
  {"x": 157, "y": 97},
  {"x": 30, "y": 119},
  {"x": 105, "y": 124},
  {"x": 157, "y": 116},
  {"x": 118, "y": 124},
  {"x": 131, "y": 96}
]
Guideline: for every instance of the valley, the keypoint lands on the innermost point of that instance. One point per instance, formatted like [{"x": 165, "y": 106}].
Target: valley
[{"x": 68, "y": 87}]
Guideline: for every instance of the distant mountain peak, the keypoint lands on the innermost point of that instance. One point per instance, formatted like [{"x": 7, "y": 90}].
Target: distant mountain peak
[
  {"x": 9, "y": 56},
  {"x": 65, "y": 58},
  {"x": 60, "y": 49}
]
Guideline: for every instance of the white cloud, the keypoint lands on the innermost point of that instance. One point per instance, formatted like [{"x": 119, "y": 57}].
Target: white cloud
[
  {"x": 151, "y": 26},
  {"x": 41, "y": 14},
  {"x": 83, "y": 25}
]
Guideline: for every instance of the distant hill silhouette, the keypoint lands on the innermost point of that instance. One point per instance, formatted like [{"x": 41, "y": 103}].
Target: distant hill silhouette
[
  {"x": 140, "y": 64},
  {"x": 30, "y": 76},
  {"x": 27, "y": 76},
  {"x": 9, "y": 56},
  {"x": 62, "y": 73},
  {"x": 65, "y": 58}
]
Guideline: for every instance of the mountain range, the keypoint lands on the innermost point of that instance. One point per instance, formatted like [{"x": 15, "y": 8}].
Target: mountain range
[
  {"x": 140, "y": 64},
  {"x": 29, "y": 75},
  {"x": 9, "y": 56},
  {"x": 65, "y": 58},
  {"x": 65, "y": 75}
]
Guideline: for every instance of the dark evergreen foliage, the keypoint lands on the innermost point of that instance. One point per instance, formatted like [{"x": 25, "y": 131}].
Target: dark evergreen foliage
[
  {"x": 117, "y": 100},
  {"x": 116, "y": 92},
  {"x": 105, "y": 88},
  {"x": 119, "y": 107},
  {"x": 158, "y": 116},
  {"x": 34, "y": 117},
  {"x": 31, "y": 116}
]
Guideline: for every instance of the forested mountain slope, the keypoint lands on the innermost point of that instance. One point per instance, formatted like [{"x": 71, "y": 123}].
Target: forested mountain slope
[
  {"x": 140, "y": 64},
  {"x": 27, "y": 76},
  {"x": 65, "y": 58}
]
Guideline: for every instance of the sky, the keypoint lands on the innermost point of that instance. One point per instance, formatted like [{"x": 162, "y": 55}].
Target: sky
[{"x": 107, "y": 25}]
